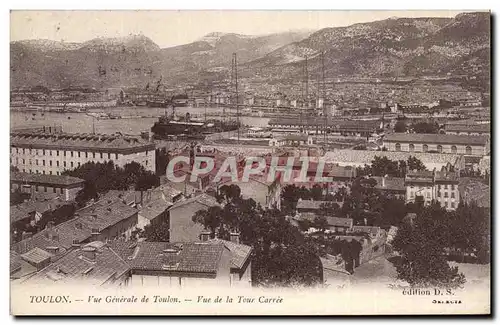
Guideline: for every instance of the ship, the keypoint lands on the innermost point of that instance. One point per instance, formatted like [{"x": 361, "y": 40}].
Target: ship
[{"x": 167, "y": 127}]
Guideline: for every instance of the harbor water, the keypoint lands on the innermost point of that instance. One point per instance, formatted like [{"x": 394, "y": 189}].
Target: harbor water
[{"x": 83, "y": 123}]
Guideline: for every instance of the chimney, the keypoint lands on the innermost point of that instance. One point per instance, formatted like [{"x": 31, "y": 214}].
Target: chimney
[
  {"x": 235, "y": 237},
  {"x": 52, "y": 249},
  {"x": 89, "y": 253},
  {"x": 205, "y": 236},
  {"x": 50, "y": 225}
]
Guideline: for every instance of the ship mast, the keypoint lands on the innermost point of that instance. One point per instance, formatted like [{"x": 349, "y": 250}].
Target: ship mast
[
  {"x": 235, "y": 63},
  {"x": 323, "y": 95}
]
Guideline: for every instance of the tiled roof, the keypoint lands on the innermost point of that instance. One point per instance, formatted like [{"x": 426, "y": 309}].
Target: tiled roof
[
  {"x": 15, "y": 262},
  {"x": 36, "y": 255},
  {"x": 22, "y": 210},
  {"x": 44, "y": 179},
  {"x": 239, "y": 252},
  {"x": 436, "y": 138},
  {"x": 153, "y": 209},
  {"x": 339, "y": 222},
  {"x": 75, "y": 268},
  {"x": 105, "y": 213},
  {"x": 391, "y": 183},
  {"x": 205, "y": 199},
  {"x": 80, "y": 141},
  {"x": 372, "y": 230},
  {"x": 442, "y": 176},
  {"x": 342, "y": 172},
  {"x": 187, "y": 257}
]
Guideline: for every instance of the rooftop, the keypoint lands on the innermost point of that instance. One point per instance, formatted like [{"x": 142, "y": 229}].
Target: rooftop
[
  {"x": 186, "y": 257},
  {"x": 239, "y": 252},
  {"x": 23, "y": 210},
  {"x": 79, "y": 141},
  {"x": 36, "y": 256},
  {"x": 59, "y": 180},
  {"x": 467, "y": 127},
  {"x": 76, "y": 267},
  {"x": 437, "y": 138},
  {"x": 203, "y": 198},
  {"x": 310, "y": 204},
  {"x": 342, "y": 172}
]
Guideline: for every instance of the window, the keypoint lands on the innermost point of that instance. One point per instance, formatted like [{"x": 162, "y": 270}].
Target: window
[
  {"x": 93, "y": 154},
  {"x": 17, "y": 150},
  {"x": 50, "y": 152},
  {"x": 440, "y": 148},
  {"x": 29, "y": 162},
  {"x": 446, "y": 187},
  {"x": 78, "y": 154},
  {"x": 101, "y": 155},
  {"x": 428, "y": 195},
  {"x": 146, "y": 162},
  {"x": 445, "y": 195},
  {"x": 86, "y": 154},
  {"x": 31, "y": 171},
  {"x": 57, "y": 153},
  {"x": 71, "y": 164},
  {"x": 425, "y": 148},
  {"x": 36, "y": 162},
  {"x": 45, "y": 189},
  {"x": 412, "y": 147},
  {"x": 468, "y": 150},
  {"x": 116, "y": 156},
  {"x": 64, "y": 164},
  {"x": 57, "y": 174},
  {"x": 453, "y": 205},
  {"x": 43, "y": 152},
  {"x": 57, "y": 163},
  {"x": 438, "y": 194},
  {"x": 64, "y": 153},
  {"x": 398, "y": 147},
  {"x": 50, "y": 172},
  {"x": 146, "y": 152},
  {"x": 71, "y": 153},
  {"x": 109, "y": 155},
  {"x": 54, "y": 189},
  {"x": 24, "y": 161},
  {"x": 50, "y": 163},
  {"x": 452, "y": 195},
  {"x": 453, "y": 149},
  {"x": 23, "y": 151},
  {"x": 453, "y": 187},
  {"x": 24, "y": 170},
  {"x": 43, "y": 172},
  {"x": 43, "y": 162},
  {"x": 78, "y": 164}
]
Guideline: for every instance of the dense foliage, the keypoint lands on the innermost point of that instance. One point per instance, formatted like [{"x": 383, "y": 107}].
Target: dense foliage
[
  {"x": 102, "y": 177},
  {"x": 281, "y": 255}
]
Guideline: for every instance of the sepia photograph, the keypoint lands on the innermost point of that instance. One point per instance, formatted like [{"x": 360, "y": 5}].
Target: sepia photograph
[{"x": 225, "y": 162}]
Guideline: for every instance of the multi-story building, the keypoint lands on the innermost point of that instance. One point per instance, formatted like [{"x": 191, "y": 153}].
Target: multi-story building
[
  {"x": 467, "y": 129},
  {"x": 440, "y": 186},
  {"x": 47, "y": 152},
  {"x": 66, "y": 187},
  {"x": 439, "y": 143}
]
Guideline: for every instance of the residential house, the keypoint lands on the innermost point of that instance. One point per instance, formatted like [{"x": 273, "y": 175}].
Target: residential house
[
  {"x": 189, "y": 264},
  {"x": 182, "y": 226},
  {"x": 393, "y": 186},
  {"x": 66, "y": 187},
  {"x": 431, "y": 186},
  {"x": 94, "y": 264}
]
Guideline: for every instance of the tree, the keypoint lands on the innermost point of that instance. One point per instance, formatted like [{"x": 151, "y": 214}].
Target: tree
[
  {"x": 422, "y": 249},
  {"x": 281, "y": 256},
  {"x": 415, "y": 164},
  {"x": 400, "y": 127},
  {"x": 13, "y": 169},
  {"x": 157, "y": 233},
  {"x": 320, "y": 223},
  {"x": 426, "y": 127}
]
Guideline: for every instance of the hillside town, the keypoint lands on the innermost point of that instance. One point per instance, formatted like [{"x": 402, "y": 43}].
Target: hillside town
[{"x": 327, "y": 180}]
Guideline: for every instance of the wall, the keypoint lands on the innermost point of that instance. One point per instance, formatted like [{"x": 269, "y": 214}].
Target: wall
[
  {"x": 45, "y": 161},
  {"x": 68, "y": 194},
  {"x": 446, "y": 148},
  {"x": 182, "y": 227}
]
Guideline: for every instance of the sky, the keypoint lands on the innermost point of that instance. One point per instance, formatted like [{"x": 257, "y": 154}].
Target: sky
[{"x": 170, "y": 28}]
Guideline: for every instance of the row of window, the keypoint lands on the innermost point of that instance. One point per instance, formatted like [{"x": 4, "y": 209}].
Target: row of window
[
  {"x": 440, "y": 187},
  {"x": 71, "y": 153},
  {"x": 37, "y": 162},
  {"x": 428, "y": 194},
  {"x": 425, "y": 148},
  {"x": 38, "y": 172},
  {"x": 447, "y": 204}
]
